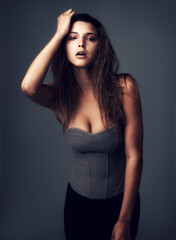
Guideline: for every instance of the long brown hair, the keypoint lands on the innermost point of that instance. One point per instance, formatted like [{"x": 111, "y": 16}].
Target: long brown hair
[{"x": 105, "y": 80}]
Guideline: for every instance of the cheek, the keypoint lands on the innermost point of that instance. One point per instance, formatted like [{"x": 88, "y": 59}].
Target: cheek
[
  {"x": 68, "y": 51},
  {"x": 94, "y": 51}
]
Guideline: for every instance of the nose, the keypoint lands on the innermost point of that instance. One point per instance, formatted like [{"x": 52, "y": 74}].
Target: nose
[{"x": 82, "y": 44}]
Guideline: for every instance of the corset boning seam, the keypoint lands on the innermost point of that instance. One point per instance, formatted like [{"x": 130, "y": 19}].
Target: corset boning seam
[{"x": 90, "y": 179}]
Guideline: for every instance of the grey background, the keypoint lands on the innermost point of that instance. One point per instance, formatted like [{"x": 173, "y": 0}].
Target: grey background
[{"x": 36, "y": 161}]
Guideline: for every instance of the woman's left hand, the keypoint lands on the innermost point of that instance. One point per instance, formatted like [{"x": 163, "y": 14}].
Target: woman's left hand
[{"x": 121, "y": 231}]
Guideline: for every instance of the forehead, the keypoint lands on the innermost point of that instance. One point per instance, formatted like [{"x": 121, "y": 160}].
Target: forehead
[{"x": 83, "y": 27}]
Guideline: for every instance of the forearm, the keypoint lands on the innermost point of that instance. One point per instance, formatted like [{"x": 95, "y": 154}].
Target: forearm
[
  {"x": 39, "y": 67},
  {"x": 132, "y": 182}
]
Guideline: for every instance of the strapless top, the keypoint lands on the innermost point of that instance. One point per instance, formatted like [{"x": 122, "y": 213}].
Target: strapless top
[{"x": 99, "y": 162}]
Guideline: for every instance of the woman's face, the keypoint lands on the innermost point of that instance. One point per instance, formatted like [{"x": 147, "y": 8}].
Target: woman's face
[{"x": 82, "y": 44}]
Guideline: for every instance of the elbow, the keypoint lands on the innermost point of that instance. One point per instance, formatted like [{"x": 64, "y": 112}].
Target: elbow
[
  {"x": 27, "y": 89},
  {"x": 137, "y": 162}
]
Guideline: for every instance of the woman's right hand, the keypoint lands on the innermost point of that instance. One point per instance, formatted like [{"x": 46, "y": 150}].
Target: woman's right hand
[{"x": 63, "y": 22}]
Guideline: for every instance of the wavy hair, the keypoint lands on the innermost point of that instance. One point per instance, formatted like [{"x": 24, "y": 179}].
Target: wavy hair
[{"x": 105, "y": 79}]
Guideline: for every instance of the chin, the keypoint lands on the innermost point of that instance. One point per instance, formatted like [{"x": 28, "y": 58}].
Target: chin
[{"x": 83, "y": 64}]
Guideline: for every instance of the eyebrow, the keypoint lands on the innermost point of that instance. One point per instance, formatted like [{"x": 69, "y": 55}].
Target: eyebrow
[{"x": 89, "y": 33}]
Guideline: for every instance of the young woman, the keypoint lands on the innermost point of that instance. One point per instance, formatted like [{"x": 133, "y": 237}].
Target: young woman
[{"x": 100, "y": 111}]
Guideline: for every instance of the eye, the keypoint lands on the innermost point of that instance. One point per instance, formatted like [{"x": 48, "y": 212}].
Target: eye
[
  {"x": 91, "y": 38},
  {"x": 72, "y": 38}
]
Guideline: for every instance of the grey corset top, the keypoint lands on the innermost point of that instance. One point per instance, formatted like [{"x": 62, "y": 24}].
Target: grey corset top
[{"x": 99, "y": 162}]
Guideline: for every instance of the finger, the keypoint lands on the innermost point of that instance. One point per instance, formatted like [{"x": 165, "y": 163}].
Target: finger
[
  {"x": 66, "y": 11},
  {"x": 72, "y": 13},
  {"x": 69, "y": 11}
]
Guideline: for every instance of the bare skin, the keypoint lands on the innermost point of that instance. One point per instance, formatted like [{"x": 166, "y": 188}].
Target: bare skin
[
  {"x": 87, "y": 114},
  {"x": 32, "y": 84},
  {"x": 134, "y": 160}
]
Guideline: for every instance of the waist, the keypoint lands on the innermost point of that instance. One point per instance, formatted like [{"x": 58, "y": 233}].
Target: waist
[
  {"x": 98, "y": 175},
  {"x": 75, "y": 195}
]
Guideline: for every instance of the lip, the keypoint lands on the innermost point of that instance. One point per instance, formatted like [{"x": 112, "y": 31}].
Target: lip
[{"x": 81, "y": 56}]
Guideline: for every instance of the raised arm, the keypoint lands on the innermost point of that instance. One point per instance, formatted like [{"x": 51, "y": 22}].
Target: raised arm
[
  {"x": 32, "y": 84},
  {"x": 134, "y": 157}
]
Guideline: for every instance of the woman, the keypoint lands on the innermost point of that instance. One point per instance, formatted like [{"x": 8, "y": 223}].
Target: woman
[{"x": 101, "y": 115}]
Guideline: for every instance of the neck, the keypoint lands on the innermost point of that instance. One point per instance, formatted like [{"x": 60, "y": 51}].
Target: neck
[{"x": 83, "y": 77}]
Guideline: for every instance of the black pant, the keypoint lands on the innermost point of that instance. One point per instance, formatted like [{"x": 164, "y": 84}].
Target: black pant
[{"x": 94, "y": 219}]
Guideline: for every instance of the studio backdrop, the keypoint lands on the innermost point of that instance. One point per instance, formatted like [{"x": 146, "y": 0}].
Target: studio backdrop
[{"x": 35, "y": 159}]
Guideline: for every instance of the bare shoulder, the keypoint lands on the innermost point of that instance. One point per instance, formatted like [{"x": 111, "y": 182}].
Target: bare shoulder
[{"x": 128, "y": 84}]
